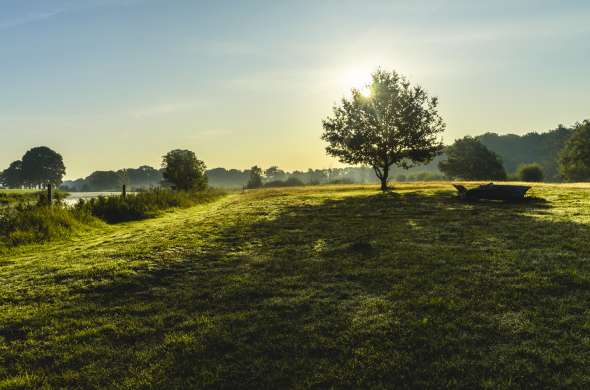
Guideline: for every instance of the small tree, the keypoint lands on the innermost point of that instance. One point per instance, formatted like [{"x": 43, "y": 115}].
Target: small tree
[
  {"x": 42, "y": 165},
  {"x": 574, "y": 158},
  {"x": 397, "y": 124},
  {"x": 184, "y": 170},
  {"x": 255, "y": 180},
  {"x": 530, "y": 172},
  {"x": 469, "y": 159}
]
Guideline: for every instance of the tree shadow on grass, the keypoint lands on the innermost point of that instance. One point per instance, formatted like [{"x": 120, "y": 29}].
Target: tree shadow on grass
[{"x": 408, "y": 290}]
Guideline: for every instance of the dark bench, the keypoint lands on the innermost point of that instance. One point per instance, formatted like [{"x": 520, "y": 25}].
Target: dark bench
[{"x": 492, "y": 191}]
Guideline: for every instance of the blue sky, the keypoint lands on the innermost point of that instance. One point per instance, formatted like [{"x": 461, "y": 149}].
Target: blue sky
[{"x": 117, "y": 83}]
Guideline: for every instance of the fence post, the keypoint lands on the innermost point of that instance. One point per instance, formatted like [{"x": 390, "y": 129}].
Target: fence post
[
  {"x": 49, "y": 194},
  {"x": 124, "y": 194}
]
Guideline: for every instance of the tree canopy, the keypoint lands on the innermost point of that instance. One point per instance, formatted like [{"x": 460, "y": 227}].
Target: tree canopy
[
  {"x": 530, "y": 172},
  {"x": 255, "y": 180},
  {"x": 396, "y": 124},
  {"x": 12, "y": 177},
  {"x": 184, "y": 170},
  {"x": 542, "y": 148},
  {"x": 574, "y": 159},
  {"x": 469, "y": 159},
  {"x": 42, "y": 165}
]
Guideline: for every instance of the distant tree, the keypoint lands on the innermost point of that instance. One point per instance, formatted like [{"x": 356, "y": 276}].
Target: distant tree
[
  {"x": 274, "y": 173},
  {"x": 255, "y": 180},
  {"x": 12, "y": 177},
  {"x": 103, "y": 181},
  {"x": 142, "y": 177},
  {"x": 397, "y": 124},
  {"x": 184, "y": 170},
  {"x": 574, "y": 158},
  {"x": 543, "y": 148},
  {"x": 469, "y": 159},
  {"x": 42, "y": 165},
  {"x": 530, "y": 172}
]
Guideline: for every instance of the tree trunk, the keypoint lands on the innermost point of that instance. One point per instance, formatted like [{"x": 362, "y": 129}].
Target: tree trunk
[{"x": 384, "y": 177}]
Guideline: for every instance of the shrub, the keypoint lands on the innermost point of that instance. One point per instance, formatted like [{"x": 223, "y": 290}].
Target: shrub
[
  {"x": 113, "y": 209},
  {"x": 26, "y": 224},
  {"x": 530, "y": 172},
  {"x": 35, "y": 223}
]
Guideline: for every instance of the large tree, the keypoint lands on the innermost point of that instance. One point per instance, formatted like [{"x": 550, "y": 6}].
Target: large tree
[
  {"x": 469, "y": 159},
  {"x": 184, "y": 170},
  {"x": 574, "y": 158},
  {"x": 12, "y": 177},
  {"x": 42, "y": 165},
  {"x": 395, "y": 124}
]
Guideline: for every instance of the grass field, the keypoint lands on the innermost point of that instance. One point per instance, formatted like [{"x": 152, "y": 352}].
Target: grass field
[{"x": 310, "y": 288}]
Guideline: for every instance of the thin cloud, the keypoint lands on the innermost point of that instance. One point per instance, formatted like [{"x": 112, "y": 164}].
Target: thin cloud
[
  {"x": 164, "y": 109},
  {"x": 32, "y": 18}
]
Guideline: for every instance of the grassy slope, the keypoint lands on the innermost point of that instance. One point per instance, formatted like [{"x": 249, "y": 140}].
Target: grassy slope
[{"x": 310, "y": 287}]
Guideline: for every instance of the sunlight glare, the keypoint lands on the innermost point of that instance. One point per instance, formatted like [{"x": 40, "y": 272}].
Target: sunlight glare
[{"x": 358, "y": 79}]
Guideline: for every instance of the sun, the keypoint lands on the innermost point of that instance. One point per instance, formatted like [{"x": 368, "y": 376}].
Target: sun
[{"x": 358, "y": 79}]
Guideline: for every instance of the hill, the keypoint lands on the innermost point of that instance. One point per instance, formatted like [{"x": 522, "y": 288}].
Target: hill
[
  {"x": 316, "y": 287},
  {"x": 542, "y": 148}
]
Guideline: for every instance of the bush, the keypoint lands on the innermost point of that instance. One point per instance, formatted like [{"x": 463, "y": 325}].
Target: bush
[
  {"x": 530, "y": 172},
  {"x": 35, "y": 223},
  {"x": 113, "y": 209},
  {"x": 291, "y": 182},
  {"x": 26, "y": 224}
]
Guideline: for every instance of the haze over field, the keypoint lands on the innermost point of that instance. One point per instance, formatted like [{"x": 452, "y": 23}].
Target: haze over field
[{"x": 116, "y": 83}]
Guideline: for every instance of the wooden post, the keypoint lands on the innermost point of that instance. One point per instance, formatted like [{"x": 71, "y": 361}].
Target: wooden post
[
  {"x": 49, "y": 194},
  {"x": 124, "y": 194}
]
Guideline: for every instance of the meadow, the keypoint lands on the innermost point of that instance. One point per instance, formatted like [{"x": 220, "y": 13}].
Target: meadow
[{"x": 311, "y": 287}]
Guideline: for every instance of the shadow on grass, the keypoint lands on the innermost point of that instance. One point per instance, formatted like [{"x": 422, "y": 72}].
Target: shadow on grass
[{"x": 410, "y": 290}]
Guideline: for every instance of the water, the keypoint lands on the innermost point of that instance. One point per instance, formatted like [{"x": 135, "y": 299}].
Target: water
[{"x": 74, "y": 197}]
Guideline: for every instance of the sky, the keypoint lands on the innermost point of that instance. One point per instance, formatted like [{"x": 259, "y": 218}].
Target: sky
[{"x": 118, "y": 83}]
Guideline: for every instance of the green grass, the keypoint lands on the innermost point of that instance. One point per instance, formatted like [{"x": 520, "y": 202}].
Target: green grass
[
  {"x": 310, "y": 287},
  {"x": 9, "y": 197}
]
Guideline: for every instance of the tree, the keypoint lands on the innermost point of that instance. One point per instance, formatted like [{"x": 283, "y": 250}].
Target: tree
[
  {"x": 42, "y": 165},
  {"x": 184, "y": 170},
  {"x": 103, "y": 181},
  {"x": 542, "y": 148},
  {"x": 144, "y": 176},
  {"x": 530, "y": 172},
  {"x": 574, "y": 158},
  {"x": 255, "y": 180},
  {"x": 274, "y": 173},
  {"x": 469, "y": 159},
  {"x": 12, "y": 176},
  {"x": 397, "y": 124}
]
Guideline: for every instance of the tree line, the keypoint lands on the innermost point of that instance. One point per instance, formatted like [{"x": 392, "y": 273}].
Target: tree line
[{"x": 396, "y": 126}]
